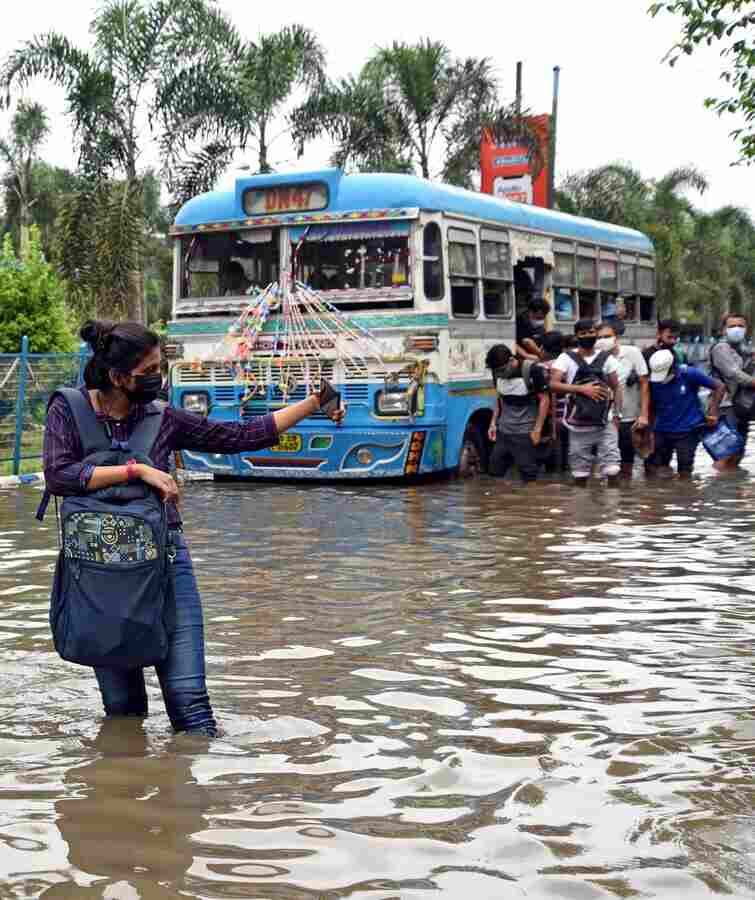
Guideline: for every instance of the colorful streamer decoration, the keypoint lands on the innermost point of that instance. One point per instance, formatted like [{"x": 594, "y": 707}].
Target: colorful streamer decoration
[{"x": 310, "y": 335}]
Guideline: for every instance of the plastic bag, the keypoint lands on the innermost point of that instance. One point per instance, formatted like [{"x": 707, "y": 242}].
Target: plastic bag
[{"x": 723, "y": 440}]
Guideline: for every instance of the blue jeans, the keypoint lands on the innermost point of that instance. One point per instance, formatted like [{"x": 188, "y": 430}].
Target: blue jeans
[{"x": 182, "y": 672}]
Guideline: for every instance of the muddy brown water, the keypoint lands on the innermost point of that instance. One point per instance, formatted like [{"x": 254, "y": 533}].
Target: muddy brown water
[{"x": 451, "y": 690}]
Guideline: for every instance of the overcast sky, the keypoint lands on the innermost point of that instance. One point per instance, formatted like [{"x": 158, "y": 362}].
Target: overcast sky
[{"x": 618, "y": 101}]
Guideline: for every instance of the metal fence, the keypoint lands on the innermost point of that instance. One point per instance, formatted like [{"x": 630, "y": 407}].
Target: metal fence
[{"x": 26, "y": 382}]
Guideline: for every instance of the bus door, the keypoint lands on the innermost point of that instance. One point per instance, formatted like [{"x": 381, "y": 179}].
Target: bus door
[{"x": 532, "y": 258}]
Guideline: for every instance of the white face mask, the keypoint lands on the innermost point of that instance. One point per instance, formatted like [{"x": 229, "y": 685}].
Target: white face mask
[
  {"x": 735, "y": 334},
  {"x": 511, "y": 387},
  {"x": 605, "y": 343}
]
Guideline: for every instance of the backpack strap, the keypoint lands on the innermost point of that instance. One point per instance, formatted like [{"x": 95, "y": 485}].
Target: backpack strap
[
  {"x": 575, "y": 358},
  {"x": 527, "y": 373},
  {"x": 600, "y": 360},
  {"x": 597, "y": 363},
  {"x": 145, "y": 434},
  {"x": 92, "y": 433},
  {"x": 94, "y": 436}
]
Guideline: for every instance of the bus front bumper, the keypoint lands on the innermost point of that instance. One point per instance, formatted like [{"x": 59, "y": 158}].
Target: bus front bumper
[{"x": 332, "y": 453}]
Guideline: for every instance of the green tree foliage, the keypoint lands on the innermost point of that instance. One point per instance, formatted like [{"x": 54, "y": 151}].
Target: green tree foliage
[
  {"x": 50, "y": 184},
  {"x": 119, "y": 103},
  {"x": 705, "y": 262},
  {"x": 729, "y": 24},
  {"x": 31, "y": 301},
  {"x": 19, "y": 151},
  {"x": 242, "y": 108},
  {"x": 100, "y": 239},
  {"x": 353, "y": 113},
  {"x": 413, "y": 106}
]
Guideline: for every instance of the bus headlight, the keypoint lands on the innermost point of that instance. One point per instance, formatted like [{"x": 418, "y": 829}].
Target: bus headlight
[
  {"x": 392, "y": 402},
  {"x": 196, "y": 403}
]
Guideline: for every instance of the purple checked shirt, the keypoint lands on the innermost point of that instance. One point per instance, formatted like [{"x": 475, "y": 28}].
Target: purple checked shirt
[{"x": 66, "y": 473}]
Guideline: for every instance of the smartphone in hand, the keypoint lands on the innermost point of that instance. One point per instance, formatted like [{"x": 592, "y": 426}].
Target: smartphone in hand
[{"x": 330, "y": 398}]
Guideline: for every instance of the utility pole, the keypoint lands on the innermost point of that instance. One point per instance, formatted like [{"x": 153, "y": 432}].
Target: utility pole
[
  {"x": 518, "y": 106},
  {"x": 552, "y": 142}
]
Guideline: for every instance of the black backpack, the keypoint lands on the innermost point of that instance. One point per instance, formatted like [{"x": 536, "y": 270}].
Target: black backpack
[
  {"x": 581, "y": 411},
  {"x": 113, "y": 576}
]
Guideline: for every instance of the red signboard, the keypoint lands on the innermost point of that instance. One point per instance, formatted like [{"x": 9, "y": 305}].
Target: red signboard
[{"x": 506, "y": 170}]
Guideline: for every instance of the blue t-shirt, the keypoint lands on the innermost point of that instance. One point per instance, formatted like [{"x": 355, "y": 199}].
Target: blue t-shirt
[{"x": 677, "y": 404}]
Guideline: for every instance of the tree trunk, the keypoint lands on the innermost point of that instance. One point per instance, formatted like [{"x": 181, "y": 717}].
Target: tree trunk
[
  {"x": 423, "y": 156},
  {"x": 264, "y": 166},
  {"x": 26, "y": 222},
  {"x": 135, "y": 310}
]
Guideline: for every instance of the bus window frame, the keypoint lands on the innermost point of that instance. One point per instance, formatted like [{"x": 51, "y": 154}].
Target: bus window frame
[
  {"x": 590, "y": 252},
  {"x": 565, "y": 248},
  {"x": 646, "y": 263},
  {"x": 472, "y": 230},
  {"x": 425, "y": 259},
  {"x": 628, "y": 293},
  {"x": 488, "y": 235},
  {"x": 181, "y": 257}
]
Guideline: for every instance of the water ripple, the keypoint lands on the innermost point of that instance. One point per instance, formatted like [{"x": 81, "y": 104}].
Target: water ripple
[{"x": 453, "y": 690}]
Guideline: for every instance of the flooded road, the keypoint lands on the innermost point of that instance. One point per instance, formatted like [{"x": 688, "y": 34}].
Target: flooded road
[{"x": 462, "y": 690}]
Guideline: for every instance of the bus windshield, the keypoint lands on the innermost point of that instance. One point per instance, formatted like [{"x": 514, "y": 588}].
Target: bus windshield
[
  {"x": 371, "y": 257},
  {"x": 229, "y": 263}
]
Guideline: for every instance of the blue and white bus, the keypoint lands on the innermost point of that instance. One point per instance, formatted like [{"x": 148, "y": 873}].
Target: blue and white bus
[{"x": 440, "y": 277}]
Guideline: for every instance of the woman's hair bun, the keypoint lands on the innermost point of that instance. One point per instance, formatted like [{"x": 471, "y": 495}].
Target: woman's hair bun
[{"x": 92, "y": 331}]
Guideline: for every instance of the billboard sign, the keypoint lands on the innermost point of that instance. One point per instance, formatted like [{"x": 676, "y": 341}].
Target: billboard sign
[{"x": 506, "y": 170}]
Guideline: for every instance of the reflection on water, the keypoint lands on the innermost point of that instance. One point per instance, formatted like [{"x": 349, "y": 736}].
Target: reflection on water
[{"x": 458, "y": 689}]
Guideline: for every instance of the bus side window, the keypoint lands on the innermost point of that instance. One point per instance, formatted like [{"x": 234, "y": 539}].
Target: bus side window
[
  {"x": 463, "y": 272},
  {"x": 432, "y": 256}
]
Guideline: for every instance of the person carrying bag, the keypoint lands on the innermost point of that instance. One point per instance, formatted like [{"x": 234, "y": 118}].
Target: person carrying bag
[
  {"x": 125, "y": 595},
  {"x": 729, "y": 364}
]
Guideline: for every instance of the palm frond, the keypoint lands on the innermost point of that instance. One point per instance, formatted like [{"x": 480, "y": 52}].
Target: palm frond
[{"x": 199, "y": 172}]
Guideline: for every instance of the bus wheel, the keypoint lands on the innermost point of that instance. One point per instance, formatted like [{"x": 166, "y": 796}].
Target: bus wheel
[{"x": 473, "y": 459}]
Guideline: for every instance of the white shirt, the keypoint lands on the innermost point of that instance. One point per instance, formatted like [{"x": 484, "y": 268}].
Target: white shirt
[
  {"x": 630, "y": 359},
  {"x": 566, "y": 364}
]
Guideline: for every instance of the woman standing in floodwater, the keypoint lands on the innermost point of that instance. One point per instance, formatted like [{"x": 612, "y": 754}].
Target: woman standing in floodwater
[{"x": 121, "y": 379}]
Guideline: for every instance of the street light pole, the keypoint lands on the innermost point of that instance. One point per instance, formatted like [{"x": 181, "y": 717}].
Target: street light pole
[{"x": 552, "y": 142}]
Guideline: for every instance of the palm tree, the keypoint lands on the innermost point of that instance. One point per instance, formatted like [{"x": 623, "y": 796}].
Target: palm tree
[
  {"x": 50, "y": 184},
  {"x": 118, "y": 103},
  {"x": 412, "y": 105},
  {"x": 29, "y": 128},
  {"x": 615, "y": 192},
  {"x": 241, "y": 107},
  {"x": 353, "y": 113},
  {"x": 618, "y": 193}
]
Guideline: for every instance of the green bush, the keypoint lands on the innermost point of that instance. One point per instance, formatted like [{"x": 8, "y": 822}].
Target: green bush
[{"x": 31, "y": 302}]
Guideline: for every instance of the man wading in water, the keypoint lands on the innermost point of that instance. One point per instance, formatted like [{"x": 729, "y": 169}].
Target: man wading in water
[{"x": 590, "y": 381}]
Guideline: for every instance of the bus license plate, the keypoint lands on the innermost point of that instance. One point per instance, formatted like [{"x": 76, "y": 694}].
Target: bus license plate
[{"x": 288, "y": 443}]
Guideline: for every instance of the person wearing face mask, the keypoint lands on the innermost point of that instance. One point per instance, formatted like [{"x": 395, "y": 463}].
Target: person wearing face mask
[
  {"x": 589, "y": 379},
  {"x": 522, "y": 405},
  {"x": 633, "y": 378},
  {"x": 530, "y": 328},
  {"x": 667, "y": 338},
  {"x": 729, "y": 363},
  {"x": 679, "y": 416},
  {"x": 122, "y": 380}
]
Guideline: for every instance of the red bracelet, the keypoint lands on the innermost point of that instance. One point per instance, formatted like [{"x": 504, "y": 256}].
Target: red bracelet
[{"x": 131, "y": 473}]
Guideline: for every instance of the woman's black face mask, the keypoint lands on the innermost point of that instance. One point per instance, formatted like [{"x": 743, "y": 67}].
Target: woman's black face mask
[{"x": 146, "y": 388}]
